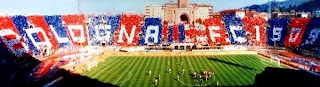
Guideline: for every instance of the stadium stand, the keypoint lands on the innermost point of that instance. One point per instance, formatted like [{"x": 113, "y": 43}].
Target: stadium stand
[{"x": 73, "y": 41}]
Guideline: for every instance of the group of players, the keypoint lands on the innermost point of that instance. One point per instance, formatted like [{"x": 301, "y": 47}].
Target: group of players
[{"x": 205, "y": 75}]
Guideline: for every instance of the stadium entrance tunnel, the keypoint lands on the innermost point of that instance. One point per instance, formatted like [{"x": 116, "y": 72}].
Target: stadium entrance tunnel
[{"x": 184, "y": 18}]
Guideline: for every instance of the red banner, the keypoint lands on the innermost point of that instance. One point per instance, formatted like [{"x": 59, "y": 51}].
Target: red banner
[
  {"x": 255, "y": 29},
  {"x": 10, "y": 37},
  {"x": 127, "y": 34},
  {"x": 39, "y": 21},
  {"x": 76, "y": 28},
  {"x": 295, "y": 32},
  {"x": 216, "y": 32}
]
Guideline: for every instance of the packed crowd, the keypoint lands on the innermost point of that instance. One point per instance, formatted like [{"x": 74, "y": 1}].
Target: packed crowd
[{"x": 306, "y": 62}]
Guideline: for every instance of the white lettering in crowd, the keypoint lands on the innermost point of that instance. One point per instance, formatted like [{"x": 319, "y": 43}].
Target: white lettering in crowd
[
  {"x": 103, "y": 32},
  {"x": 313, "y": 35},
  {"x": 233, "y": 30},
  {"x": 257, "y": 33},
  {"x": 276, "y": 34},
  {"x": 46, "y": 41},
  {"x": 12, "y": 41},
  {"x": 79, "y": 39},
  {"x": 294, "y": 34},
  {"x": 154, "y": 35},
  {"x": 202, "y": 38},
  {"x": 213, "y": 35},
  {"x": 60, "y": 39},
  {"x": 123, "y": 30}
]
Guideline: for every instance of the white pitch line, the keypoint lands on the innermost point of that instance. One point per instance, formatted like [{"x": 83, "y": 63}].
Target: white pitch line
[
  {"x": 127, "y": 79},
  {"x": 190, "y": 64},
  {"x": 104, "y": 68},
  {"x": 122, "y": 76},
  {"x": 100, "y": 72}
]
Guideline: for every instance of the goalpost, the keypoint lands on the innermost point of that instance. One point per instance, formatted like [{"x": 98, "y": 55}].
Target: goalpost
[{"x": 274, "y": 58}]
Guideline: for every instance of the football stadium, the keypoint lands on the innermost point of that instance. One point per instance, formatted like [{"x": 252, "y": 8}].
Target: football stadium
[{"x": 179, "y": 43}]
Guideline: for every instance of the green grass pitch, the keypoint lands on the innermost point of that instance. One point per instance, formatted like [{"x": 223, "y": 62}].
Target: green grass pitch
[{"x": 229, "y": 70}]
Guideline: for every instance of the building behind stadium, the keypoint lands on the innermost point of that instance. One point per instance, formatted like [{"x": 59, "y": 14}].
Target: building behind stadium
[{"x": 180, "y": 12}]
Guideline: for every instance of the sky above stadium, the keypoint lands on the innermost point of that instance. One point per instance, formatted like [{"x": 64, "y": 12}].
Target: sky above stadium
[{"x": 50, "y": 7}]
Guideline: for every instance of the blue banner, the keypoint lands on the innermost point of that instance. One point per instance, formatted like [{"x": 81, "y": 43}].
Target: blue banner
[
  {"x": 234, "y": 26},
  {"x": 60, "y": 32},
  {"x": 170, "y": 33},
  {"x": 311, "y": 36},
  {"x": 101, "y": 28},
  {"x": 151, "y": 31},
  {"x": 277, "y": 31},
  {"x": 21, "y": 23},
  {"x": 181, "y": 33}
]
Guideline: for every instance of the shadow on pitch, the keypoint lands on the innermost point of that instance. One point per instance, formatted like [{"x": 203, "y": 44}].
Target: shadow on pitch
[
  {"x": 233, "y": 64},
  {"x": 20, "y": 72}
]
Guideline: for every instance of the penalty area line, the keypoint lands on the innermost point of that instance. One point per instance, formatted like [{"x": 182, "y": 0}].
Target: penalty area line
[
  {"x": 122, "y": 76},
  {"x": 190, "y": 64},
  {"x": 100, "y": 72},
  {"x": 128, "y": 78}
]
